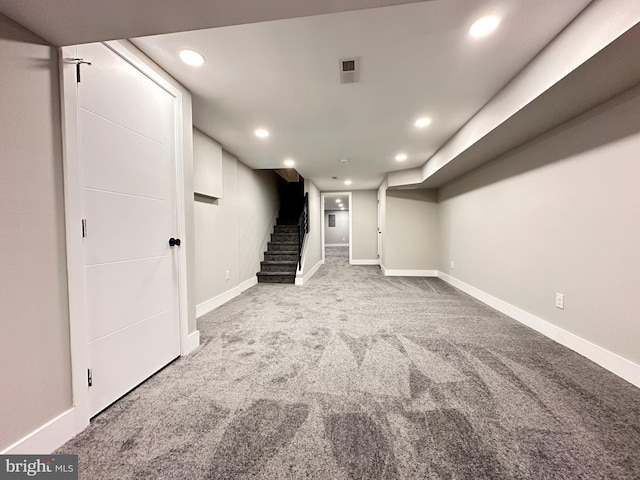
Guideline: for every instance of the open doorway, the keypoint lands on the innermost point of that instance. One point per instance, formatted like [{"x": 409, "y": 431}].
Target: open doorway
[{"x": 336, "y": 225}]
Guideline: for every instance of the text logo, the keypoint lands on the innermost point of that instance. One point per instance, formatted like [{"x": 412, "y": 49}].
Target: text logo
[{"x": 51, "y": 467}]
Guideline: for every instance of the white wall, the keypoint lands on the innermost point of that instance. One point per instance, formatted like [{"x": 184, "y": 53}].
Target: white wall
[
  {"x": 258, "y": 205},
  {"x": 312, "y": 254},
  {"x": 364, "y": 220},
  {"x": 207, "y": 166},
  {"x": 216, "y": 236},
  {"x": 559, "y": 214},
  {"x": 35, "y": 363},
  {"x": 411, "y": 239},
  {"x": 339, "y": 234},
  {"x": 231, "y": 233}
]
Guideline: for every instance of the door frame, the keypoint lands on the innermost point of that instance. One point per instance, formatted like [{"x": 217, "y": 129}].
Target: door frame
[
  {"x": 322, "y": 227},
  {"x": 78, "y": 331}
]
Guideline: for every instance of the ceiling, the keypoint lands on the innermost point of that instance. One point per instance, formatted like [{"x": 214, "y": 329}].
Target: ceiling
[
  {"x": 416, "y": 60},
  {"x": 330, "y": 202},
  {"x": 72, "y": 22}
]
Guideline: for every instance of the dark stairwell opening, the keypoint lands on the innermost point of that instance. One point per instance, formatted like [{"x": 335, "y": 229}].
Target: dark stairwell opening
[{"x": 283, "y": 254}]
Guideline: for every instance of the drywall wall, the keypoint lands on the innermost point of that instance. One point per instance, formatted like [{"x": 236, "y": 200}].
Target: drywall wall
[
  {"x": 312, "y": 254},
  {"x": 207, "y": 166},
  {"x": 559, "y": 214},
  {"x": 364, "y": 225},
  {"x": 231, "y": 232},
  {"x": 338, "y": 234},
  {"x": 35, "y": 363},
  {"x": 258, "y": 206},
  {"x": 216, "y": 235},
  {"x": 411, "y": 235}
]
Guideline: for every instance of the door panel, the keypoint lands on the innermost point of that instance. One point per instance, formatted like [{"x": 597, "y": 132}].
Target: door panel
[
  {"x": 146, "y": 292},
  {"x": 107, "y": 149},
  {"x": 141, "y": 105},
  {"x": 124, "y": 359},
  {"x": 126, "y": 130},
  {"x": 125, "y": 227}
]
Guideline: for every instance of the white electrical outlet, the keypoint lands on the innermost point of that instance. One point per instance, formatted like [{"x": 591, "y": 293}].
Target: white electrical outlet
[
  {"x": 452, "y": 264},
  {"x": 228, "y": 275},
  {"x": 560, "y": 300}
]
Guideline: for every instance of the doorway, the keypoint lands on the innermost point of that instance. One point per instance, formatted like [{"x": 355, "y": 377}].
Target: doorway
[
  {"x": 123, "y": 185},
  {"x": 337, "y": 230}
]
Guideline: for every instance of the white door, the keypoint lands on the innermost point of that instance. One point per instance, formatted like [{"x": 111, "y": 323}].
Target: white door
[{"x": 126, "y": 130}]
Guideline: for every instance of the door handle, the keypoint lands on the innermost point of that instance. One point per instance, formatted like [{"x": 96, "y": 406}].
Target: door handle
[{"x": 174, "y": 241}]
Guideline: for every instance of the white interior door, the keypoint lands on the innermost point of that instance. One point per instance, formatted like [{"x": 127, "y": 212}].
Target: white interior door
[{"x": 126, "y": 136}]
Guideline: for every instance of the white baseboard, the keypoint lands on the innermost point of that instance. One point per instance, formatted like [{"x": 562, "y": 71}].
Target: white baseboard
[
  {"x": 613, "y": 362},
  {"x": 192, "y": 342},
  {"x": 213, "y": 303},
  {"x": 46, "y": 438},
  {"x": 247, "y": 284},
  {"x": 371, "y": 261},
  {"x": 336, "y": 244},
  {"x": 300, "y": 279},
  {"x": 409, "y": 273}
]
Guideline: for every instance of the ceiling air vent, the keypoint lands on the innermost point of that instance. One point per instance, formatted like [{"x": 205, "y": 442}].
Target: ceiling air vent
[{"x": 349, "y": 70}]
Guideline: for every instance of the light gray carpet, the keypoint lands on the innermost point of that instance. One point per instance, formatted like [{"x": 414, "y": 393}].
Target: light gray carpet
[{"x": 358, "y": 376}]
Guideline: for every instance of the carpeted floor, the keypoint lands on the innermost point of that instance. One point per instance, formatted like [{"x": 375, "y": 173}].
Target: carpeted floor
[{"x": 358, "y": 376}]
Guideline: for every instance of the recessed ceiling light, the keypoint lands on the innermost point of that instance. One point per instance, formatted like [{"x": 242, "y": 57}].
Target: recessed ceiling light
[
  {"x": 289, "y": 162},
  {"x": 341, "y": 208},
  {"x": 338, "y": 200},
  {"x": 347, "y": 182},
  {"x": 484, "y": 26},
  {"x": 423, "y": 122},
  {"x": 261, "y": 133},
  {"x": 401, "y": 157},
  {"x": 191, "y": 57}
]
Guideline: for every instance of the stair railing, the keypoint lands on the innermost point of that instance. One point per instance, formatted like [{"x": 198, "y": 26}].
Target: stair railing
[{"x": 303, "y": 227}]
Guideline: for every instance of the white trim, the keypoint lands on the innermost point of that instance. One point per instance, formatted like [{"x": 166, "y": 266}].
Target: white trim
[
  {"x": 46, "y": 438},
  {"x": 213, "y": 303},
  {"x": 321, "y": 228},
  {"x": 371, "y": 261},
  {"x": 336, "y": 245},
  {"x": 350, "y": 227},
  {"x": 193, "y": 342},
  {"x": 219, "y": 300},
  {"x": 300, "y": 280},
  {"x": 78, "y": 336},
  {"x": 613, "y": 362},
  {"x": 247, "y": 284},
  {"x": 409, "y": 273}
]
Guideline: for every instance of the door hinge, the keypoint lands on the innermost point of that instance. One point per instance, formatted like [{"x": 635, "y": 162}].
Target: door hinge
[
  {"x": 89, "y": 377},
  {"x": 78, "y": 62},
  {"x": 84, "y": 227}
]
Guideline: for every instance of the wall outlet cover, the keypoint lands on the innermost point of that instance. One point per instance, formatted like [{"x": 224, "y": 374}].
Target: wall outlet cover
[{"x": 560, "y": 300}]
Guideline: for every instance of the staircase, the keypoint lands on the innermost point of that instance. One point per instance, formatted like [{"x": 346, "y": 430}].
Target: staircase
[
  {"x": 282, "y": 255},
  {"x": 283, "y": 251}
]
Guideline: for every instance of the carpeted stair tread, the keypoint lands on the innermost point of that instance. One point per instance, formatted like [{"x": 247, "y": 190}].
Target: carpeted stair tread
[
  {"x": 276, "y": 277},
  {"x": 287, "y": 266},
  {"x": 286, "y": 229}
]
